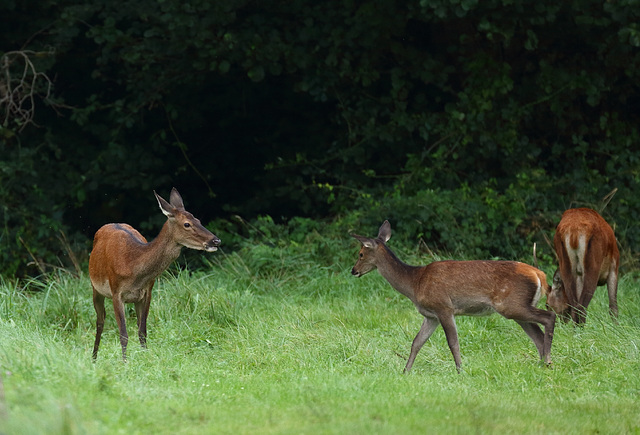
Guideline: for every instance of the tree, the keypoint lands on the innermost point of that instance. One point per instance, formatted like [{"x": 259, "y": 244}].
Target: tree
[{"x": 475, "y": 116}]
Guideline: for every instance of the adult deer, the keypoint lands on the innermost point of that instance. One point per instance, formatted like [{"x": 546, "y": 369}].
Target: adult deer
[
  {"x": 123, "y": 266},
  {"x": 444, "y": 289},
  {"x": 588, "y": 256}
]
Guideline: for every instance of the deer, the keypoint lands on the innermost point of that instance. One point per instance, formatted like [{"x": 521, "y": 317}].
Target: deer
[
  {"x": 442, "y": 290},
  {"x": 123, "y": 266},
  {"x": 588, "y": 257}
]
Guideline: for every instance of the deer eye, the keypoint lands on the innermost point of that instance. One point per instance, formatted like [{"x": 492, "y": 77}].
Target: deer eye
[
  {"x": 187, "y": 225},
  {"x": 361, "y": 255}
]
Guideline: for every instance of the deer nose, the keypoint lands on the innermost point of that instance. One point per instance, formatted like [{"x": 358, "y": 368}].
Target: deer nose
[
  {"x": 212, "y": 245},
  {"x": 354, "y": 272}
]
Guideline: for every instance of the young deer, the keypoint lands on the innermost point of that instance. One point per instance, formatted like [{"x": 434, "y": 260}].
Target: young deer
[
  {"x": 444, "y": 289},
  {"x": 123, "y": 266},
  {"x": 588, "y": 256}
]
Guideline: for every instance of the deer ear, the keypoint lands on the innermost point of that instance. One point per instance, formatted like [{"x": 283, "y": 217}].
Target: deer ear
[
  {"x": 384, "y": 233},
  {"x": 176, "y": 199},
  {"x": 166, "y": 208},
  {"x": 366, "y": 242}
]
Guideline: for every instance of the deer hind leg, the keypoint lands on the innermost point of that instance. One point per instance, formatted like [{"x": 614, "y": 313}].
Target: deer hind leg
[
  {"x": 535, "y": 334},
  {"x": 581, "y": 310},
  {"x": 98, "y": 304},
  {"x": 448, "y": 323},
  {"x": 590, "y": 283},
  {"x": 142, "y": 313},
  {"x": 574, "y": 291},
  {"x": 586, "y": 280},
  {"x": 118, "y": 308},
  {"x": 568, "y": 272},
  {"x": 579, "y": 256},
  {"x": 428, "y": 326},
  {"x": 528, "y": 319}
]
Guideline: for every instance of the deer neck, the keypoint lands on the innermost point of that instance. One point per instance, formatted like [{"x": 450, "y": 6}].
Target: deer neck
[
  {"x": 158, "y": 254},
  {"x": 401, "y": 276}
]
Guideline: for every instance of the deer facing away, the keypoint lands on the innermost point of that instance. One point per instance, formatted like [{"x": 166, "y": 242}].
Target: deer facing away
[
  {"x": 588, "y": 256},
  {"x": 123, "y": 266},
  {"x": 444, "y": 289}
]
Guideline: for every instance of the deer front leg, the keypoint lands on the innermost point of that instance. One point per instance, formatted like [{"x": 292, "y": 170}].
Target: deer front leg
[
  {"x": 118, "y": 308},
  {"x": 428, "y": 326},
  {"x": 451, "y": 332},
  {"x": 142, "y": 313}
]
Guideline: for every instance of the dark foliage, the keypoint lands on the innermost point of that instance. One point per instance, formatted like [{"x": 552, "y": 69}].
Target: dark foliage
[{"x": 472, "y": 125}]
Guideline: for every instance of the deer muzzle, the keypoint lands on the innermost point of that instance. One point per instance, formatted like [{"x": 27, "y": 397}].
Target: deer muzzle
[{"x": 212, "y": 245}]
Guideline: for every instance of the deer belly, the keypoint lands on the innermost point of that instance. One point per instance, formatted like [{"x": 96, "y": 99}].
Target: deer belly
[
  {"x": 102, "y": 288},
  {"x": 131, "y": 295},
  {"x": 134, "y": 295},
  {"x": 474, "y": 309},
  {"x": 461, "y": 309}
]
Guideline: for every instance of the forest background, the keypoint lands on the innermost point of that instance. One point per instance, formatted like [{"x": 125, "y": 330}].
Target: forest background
[{"x": 469, "y": 125}]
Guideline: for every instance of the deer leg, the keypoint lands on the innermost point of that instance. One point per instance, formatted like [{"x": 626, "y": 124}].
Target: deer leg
[
  {"x": 569, "y": 283},
  {"x": 98, "y": 304},
  {"x": 448, "y": 323},
  {"x": 580, "y": 287},
  {"x": 118, "y": 308},
  {"x": 428, "y": 326},
  {"x": 549, "y": 325},
  {"x": 528, "y": 319},
  {"x": 582, "y": 290},
  {"x": 612, "y": 289},
  {"x": 142, "y": 312},
  {"x": 589, "y": 283},
  {"x": 548, "y": 320},
  {"x": 535, "y": 334},
  {"x": 142, "y": 322}
]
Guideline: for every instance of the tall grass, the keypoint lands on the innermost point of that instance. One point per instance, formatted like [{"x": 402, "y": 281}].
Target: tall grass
[{"x": 279, "y": 345}]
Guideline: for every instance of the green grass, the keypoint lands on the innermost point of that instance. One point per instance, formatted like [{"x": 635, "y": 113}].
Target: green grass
[{"x": 285, "y": 347}]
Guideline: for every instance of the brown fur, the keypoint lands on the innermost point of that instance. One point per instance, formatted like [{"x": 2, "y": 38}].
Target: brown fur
[
  {"x": 444, "y": 289},
  {"x": 123, "y": 266},
  {"x": 588, "y": 256}
]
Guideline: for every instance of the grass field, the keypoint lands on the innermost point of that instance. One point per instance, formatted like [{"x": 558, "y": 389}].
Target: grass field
[{"x": 290, "y": 348}]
